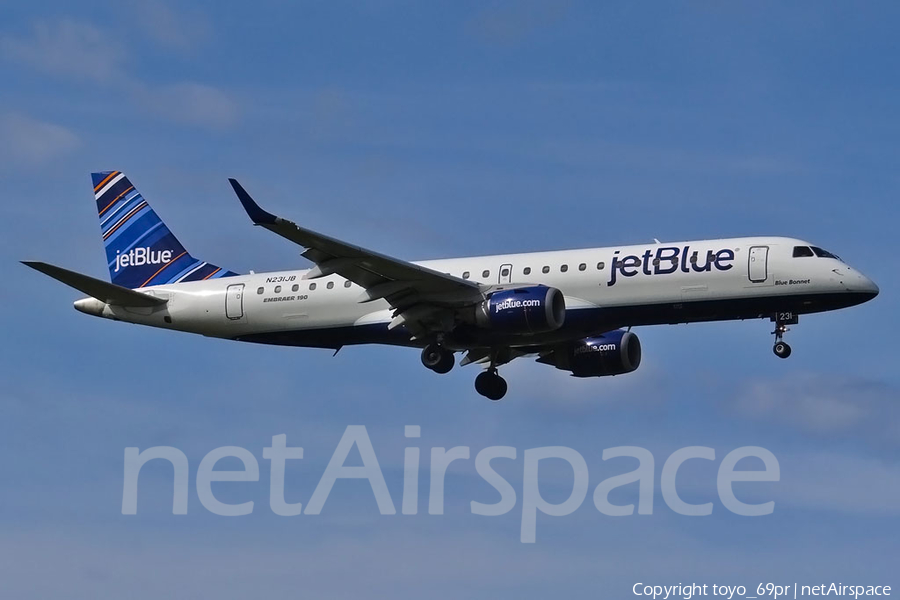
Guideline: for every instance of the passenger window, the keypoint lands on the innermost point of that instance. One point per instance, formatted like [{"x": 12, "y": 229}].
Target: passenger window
[
  {"x": 545, "y": 270},
  {"x": 485, "y": 273},
  {"x": 347, "y": 283},
  {"x": 526, "y": 271},
  {"x": 564, "y": 268},
  {"x": 330, "y": 285},
  {"x": 600, "y": 265},
  {"x": 800, "y": 251},
  {"x": 277, "y": 289},
  {"x": 582, "y": 266},
  {"x": 295, "y": 288},
  {"x": 312, "y": 286},
  {"x": 260, "y": 290},
  {"x": 655, "y": 262},
  {"x": 466, "y": 275},
  {"x": 504, "y": 272}
]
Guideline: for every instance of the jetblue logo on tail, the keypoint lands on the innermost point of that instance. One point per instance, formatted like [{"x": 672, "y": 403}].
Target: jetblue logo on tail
[
  {"x": 137, "y": 257},
  {"x": 140, "y": 249}
]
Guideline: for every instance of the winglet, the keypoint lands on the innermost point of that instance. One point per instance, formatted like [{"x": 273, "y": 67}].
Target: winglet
[{"x": 256, "y": 214}]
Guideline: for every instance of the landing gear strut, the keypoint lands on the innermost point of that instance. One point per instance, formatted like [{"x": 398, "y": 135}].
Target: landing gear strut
[
  {"x": 490, "y": 385},
  {"x": 782, "y": 320},
  {"x": 437, "y": 358}
]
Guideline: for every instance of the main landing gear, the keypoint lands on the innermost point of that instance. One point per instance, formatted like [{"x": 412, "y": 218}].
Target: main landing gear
[
  {"x": 490, "y": 385},
  {"x": 782, "y": 320},
  {"x": 437, "y": 358}
]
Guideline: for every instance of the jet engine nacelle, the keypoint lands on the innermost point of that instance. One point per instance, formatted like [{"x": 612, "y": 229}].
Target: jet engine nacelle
[
  {"x": 612, "y": 353},
  {"x": 531, "y": 309}
]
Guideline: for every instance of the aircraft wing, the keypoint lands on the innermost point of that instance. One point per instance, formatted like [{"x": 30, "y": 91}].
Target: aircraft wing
[{"x": 422, "y": 298}]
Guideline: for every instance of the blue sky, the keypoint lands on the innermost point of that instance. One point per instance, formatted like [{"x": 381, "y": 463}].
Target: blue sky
[{"x": 444, "y": 129}]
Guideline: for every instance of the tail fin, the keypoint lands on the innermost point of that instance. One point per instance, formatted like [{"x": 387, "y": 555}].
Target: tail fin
[{"x": 140, "y": 249}]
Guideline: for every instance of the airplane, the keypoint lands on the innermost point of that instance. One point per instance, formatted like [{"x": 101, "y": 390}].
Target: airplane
[{"x": 571, "y": 309}]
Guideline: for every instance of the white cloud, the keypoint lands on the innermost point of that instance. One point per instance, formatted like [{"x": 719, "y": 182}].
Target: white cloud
[
  {"x": 558, "y": 391},
  {"x": 68, "y": 48},
  {"x": 189, "y": 102},
  {"x": 82, "y": 51},
  {"x": 411, "y": 559},
  {"x": 400, "y": 559},
  {"x": 509, "y": 24},
  {"x": 27, "y": 141},
  {"x": 825, "y": 404},
  {"x": 837, "y": 482},
  {"x": 169, "y": 29}
]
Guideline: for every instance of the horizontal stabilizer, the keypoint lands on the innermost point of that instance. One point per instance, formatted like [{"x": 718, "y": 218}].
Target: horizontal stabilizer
[{"x": 96, "y": 288}]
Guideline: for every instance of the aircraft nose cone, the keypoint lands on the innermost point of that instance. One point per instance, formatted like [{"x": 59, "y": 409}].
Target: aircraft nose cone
[
  {"x": 871, "y": 287},
  {"x": 866, "y": 286}
]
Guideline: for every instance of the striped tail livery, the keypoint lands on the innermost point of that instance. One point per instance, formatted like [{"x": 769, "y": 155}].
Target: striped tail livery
[{"x": 140, "y": 249}]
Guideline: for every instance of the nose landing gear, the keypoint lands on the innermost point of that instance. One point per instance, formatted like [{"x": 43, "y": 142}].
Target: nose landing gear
[
  {"x": 782, "y": 320},
  {"x": 781, "y": 349}
]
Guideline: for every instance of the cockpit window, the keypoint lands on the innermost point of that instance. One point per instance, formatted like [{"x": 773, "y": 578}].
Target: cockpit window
[
  {"x": 802, "y": 251},
  {"x": 825, "y": 253}
]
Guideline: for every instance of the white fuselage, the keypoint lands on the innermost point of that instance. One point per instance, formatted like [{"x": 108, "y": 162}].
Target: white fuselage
[{"x": 615, "y": 287}]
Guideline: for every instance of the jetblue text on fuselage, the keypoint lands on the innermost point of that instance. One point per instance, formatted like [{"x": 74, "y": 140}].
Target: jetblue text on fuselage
[
  {"x": 669, "y": 259},
  {"x": 137, "y": 257}
]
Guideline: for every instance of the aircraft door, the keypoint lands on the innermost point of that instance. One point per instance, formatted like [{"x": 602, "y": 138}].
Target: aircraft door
[
  {"x": 758, "y": 265},
  {"x": 234, "y": 302},
  {"x": 505, "y": 274}
]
